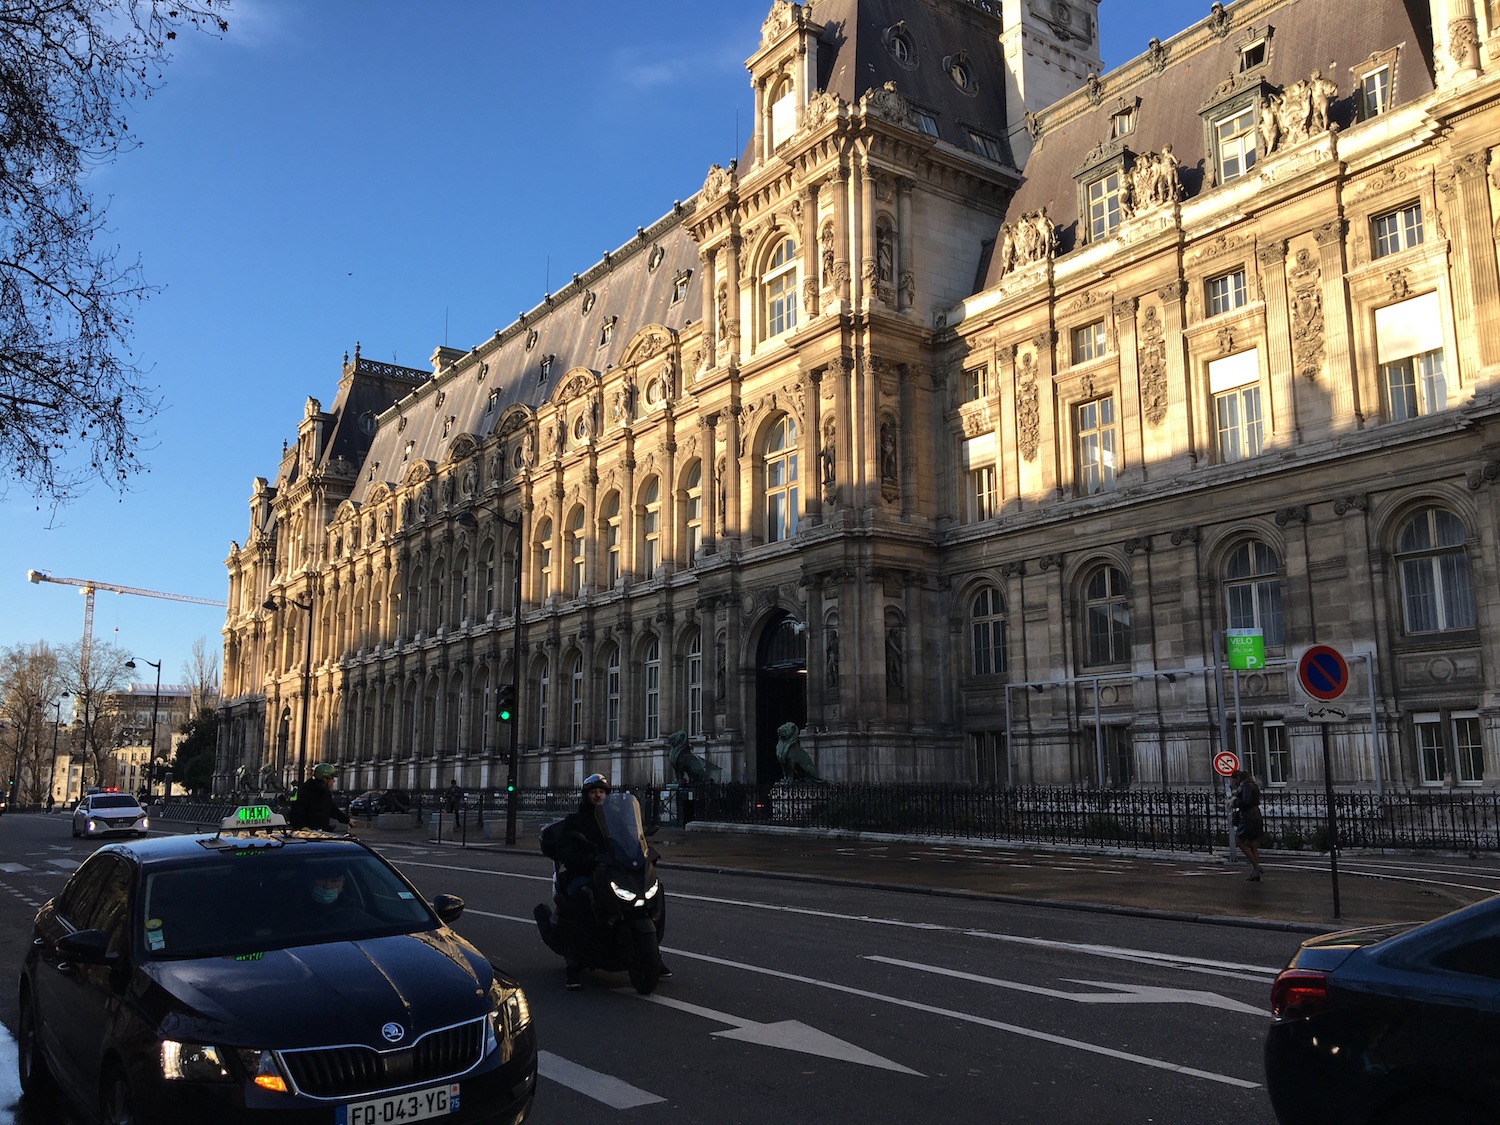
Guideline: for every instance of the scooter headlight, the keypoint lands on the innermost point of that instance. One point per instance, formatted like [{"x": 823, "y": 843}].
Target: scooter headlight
[
  {"x": 624, "y": 894},
  {"x": 653, "y": 888}
]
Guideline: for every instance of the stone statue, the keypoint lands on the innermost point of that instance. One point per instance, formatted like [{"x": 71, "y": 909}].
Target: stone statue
[
  {"x": 796, "y": 764},
  {"x": 241, "y": 779},
  {"x": 267, "y": 776},
  {"x": 689, "y": 767},
  {"x": 1270, "y": 126},
  {"x": 889, "y": 470},
  {"x": 1320, "y": 92},
  {"x": 895, "y": 674},
  {"x": 831, "y": 660}
]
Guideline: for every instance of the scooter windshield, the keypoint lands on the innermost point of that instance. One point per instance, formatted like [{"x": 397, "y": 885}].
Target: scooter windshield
[{"x": 622, "y": 822}]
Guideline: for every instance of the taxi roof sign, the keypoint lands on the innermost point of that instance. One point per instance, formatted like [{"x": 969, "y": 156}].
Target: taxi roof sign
[{"x": 252, "y": 817}]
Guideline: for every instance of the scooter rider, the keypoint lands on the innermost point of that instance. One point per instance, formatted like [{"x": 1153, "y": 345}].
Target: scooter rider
[{"x": 581, "y": 842}]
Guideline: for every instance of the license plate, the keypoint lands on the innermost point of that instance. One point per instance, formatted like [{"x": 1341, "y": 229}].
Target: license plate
[{"x": 439, "y": 1101}]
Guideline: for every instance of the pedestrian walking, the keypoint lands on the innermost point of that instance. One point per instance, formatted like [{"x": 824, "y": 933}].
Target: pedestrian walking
[
  {"x": 1246, "y": 819},
  {"x": 455, "y": 803}
]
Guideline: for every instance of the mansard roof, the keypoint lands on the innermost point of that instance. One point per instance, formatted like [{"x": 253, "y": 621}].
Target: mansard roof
[
  {"x": 628, "y": 289},
  {"x": 855, "y": 55},
  {"x": 1173, "y": 84}
]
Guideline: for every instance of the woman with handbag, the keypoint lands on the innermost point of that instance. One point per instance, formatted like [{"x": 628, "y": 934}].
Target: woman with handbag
[{"x": 1248, "y": 823}]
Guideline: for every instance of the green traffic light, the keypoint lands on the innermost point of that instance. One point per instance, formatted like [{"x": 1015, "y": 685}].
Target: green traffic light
[{"x": 504, "y": 715}]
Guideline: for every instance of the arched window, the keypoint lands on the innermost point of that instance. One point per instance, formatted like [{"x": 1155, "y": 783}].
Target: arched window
[
  {"x": 650, "y": 529},
  {"x": 461, "y": 584},
  {"x": 692, "y": 512},
  {"x": 780, "y": 291},
  {"x": 1252, "y": 591},
  {"x": 575, "y": 703},
  {"x": 1106, "y": 616},
  {"x": 781, "y": 480},
  {"x": 652, "y": 678},
  {"x": 611, "y": 540},
  {"x": 694, "y": 677},
  {"x": 1437, "y": 593},
  {"x": 988, "y": 630},
  {"x": 543, "y": 686},
  {"x": 577, "y": 542},
  {"x": 489, "y": 576},
  {"x": 612, "y": 696},
  {"x": 544, "y": 559}
]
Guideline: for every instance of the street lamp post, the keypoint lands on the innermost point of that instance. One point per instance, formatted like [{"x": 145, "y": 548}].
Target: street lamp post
[
  {"x": 155, "y": 706},
  {"x": 273, "y": 605},
  {"x": 514, "y": 523},
  {"x": 56, "y": 723}
]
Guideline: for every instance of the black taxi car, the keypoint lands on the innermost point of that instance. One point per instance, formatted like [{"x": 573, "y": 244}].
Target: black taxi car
[{"x": 265, "y": 974}]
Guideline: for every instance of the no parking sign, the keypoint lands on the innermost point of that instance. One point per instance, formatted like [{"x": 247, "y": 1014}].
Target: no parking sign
[{"x": 1323, "y": 673}]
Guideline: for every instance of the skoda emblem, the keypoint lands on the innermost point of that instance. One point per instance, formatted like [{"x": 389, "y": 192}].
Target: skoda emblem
[{"x": 393, "y": 1032}]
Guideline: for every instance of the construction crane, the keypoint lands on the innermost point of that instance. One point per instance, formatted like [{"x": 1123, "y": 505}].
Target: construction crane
[{"x": 88, "y": 588}]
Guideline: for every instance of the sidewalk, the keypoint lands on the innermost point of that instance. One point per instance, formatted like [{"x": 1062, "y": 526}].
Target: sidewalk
[{"x": 1296, "y": 893}]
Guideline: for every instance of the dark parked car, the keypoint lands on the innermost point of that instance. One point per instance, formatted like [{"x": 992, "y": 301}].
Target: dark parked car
[
  {"x": 265, "y": 974},
  {"x": 381, "y": 801},
  {"x": 1392, "y": 1025}
]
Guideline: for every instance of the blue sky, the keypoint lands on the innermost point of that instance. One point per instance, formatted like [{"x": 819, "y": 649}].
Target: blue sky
[{"x": 395, "y": 173}]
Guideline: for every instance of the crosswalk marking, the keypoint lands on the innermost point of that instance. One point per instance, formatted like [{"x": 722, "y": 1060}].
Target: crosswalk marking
[{"x": 613, "y": 1092}]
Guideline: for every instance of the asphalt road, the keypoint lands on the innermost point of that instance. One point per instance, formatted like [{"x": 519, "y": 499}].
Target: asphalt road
[{"x": 810, "y": 1002}]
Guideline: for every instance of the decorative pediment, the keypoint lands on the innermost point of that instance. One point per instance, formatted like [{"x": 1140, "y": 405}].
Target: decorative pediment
[
  {"x": 578, "y": 382},
  {"x": 421, "y": 469},
  {"x": 886, "y": 104},
  {"x": 515, "y": 418},
  {"x": 782, "y": 19},
  {"x": 720, "y": 181},
  {"x": 380, "y": 493},
  {"x": 464, "y": 445},
  {"x": 649, "y": 342}
]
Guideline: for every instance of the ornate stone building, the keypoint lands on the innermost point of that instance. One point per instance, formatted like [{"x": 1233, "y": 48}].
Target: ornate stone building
[{"x": 956, "y": 423}]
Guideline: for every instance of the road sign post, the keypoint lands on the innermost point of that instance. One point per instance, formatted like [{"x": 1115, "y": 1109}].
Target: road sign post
[{"x": 1324, "y": 675}]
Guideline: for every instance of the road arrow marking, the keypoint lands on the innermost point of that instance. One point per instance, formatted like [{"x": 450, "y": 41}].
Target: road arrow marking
[
  {"x": 1123, "y": 994},
  {"x": 606, "y": 1088},
  {"x": 789, "y": 1035}
]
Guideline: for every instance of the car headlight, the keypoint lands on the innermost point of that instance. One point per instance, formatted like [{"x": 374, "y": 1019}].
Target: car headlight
[
  {"x": 507, "y": 1020},
  {"x": 193, "y": 1062},
  {"x": 89, "y": 827}
]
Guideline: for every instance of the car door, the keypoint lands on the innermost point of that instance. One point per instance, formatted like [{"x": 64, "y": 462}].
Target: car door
[
  {"x": 53, "y": 985},
  {"x": 87, "y": 999}
]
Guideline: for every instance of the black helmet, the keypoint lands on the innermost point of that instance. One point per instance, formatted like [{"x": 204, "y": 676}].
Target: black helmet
[{"x": 596, "y": 781}]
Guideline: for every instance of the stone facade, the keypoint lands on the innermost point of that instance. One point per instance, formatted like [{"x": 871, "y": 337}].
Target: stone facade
[{"x": 964, "y": 469}]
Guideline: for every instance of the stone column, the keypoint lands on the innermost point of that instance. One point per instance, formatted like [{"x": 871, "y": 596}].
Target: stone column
[
  {"x": 813, "y": 423},
  {"x": 904, "y": 279},
  {"x": 733, "y": 518},
  {"x": 809, "y": 238},
  {"x": 1338, "y": 331},
  {"x": 734, "y": 304},
  {"x": 1477, "y": 298},
  {"x": 841, "y": 250},
  {"x": 708, "y": 423},
  {"x": 1278, "y": 413},
  {"x": 867, "y": 267},
  {"x": 710, "y": 286}
]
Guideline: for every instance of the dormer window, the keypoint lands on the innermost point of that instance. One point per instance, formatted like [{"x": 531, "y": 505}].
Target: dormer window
[
  {"x": 680, "y": 286},
  {"x": 899, "y": 43},
  {"x": 783, "y": 113},
  {"x": 493, "y": 400},
  {"x": 925, "y": 121},
  {"x": 545, "y": 370},
  {"x": 961, "y": 72},
  {"x": 1122, "y": 123},
  {"x": 607, "y": 330},
  {"x": 1252, "y": 55},
  {"x": 986, "y": 146}
]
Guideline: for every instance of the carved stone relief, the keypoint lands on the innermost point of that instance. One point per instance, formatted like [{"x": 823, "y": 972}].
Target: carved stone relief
[
  {"x": 1152, "y": 353},
  {"x": 1306, "y": 294}
]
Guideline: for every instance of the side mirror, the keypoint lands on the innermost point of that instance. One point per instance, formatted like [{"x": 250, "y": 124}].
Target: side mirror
[
  {"x": 87, "y": 947},
  {"x": 448, "y": 908}
]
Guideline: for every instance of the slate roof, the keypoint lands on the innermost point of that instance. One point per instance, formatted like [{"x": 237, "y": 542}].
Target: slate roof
[{"x": 1307, "y": 35}]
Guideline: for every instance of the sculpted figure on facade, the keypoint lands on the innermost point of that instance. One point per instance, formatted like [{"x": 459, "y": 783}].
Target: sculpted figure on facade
[
  {"x": 1154, "y": 179},
  {"x": 1268, "y": 125},
  {"x": 1152, "y": 352},
  {"x": 1320, "y": 92},
  {"x": 1032, "y": 238},
  {"x": 1306, "y": 282},
  {"x": 885, "y": 103},
  {"x": 1028, "y": 414},
  {"x": 829, "y": 456},
  {"x": 528, "y": 448},
  {"x": 719, "y": 181},
  {"x": 831, "y": 659}
]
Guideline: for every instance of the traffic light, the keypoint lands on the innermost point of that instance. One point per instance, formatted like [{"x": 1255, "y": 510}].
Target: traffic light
[{"x": 505, "y": 702}]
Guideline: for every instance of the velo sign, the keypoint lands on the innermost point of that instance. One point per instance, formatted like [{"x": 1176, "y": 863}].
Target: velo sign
[
  {"x": 1225, "y": 763},
  {"x": 1323, "y": 673}
]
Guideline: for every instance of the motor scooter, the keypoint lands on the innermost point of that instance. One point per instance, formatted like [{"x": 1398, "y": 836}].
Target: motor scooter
[{"x": 616, "y": 920}]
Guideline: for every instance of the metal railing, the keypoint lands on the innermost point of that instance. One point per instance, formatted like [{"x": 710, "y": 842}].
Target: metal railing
[{"x": 1174, "y": 820}]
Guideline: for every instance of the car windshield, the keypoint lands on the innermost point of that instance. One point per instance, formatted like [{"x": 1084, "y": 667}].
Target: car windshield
[
  {"x": 114, "y": 801},
  {"x": 241, "y": 903}
]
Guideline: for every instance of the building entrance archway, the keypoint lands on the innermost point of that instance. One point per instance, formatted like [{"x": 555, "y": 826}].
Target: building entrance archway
[{"x": 780, "y": 689}]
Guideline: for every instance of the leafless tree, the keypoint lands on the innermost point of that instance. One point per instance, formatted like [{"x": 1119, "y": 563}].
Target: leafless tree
[
  {"x": 74, "y": 403},
  {"x": 200, "y": 672},
  {"x": 30, "y": 684},
  {"x": 99, "y": 726}
]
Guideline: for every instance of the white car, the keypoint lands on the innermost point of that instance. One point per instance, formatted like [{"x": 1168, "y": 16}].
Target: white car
[{"x": 102, "y": 814}]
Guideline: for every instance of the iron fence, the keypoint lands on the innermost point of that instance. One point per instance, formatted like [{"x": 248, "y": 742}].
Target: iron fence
[
  {"x": 1188, "y": 820},
  {"x": 1194, "y": 820}
]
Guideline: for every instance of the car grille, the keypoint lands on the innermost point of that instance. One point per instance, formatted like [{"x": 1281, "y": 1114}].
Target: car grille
[{"x": 334, "y": 1072}]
